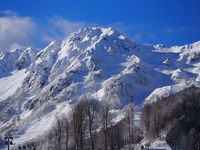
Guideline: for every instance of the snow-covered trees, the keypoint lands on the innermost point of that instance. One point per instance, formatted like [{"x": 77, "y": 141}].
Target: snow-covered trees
[
  {"x": 91, "y": 107},
  {"x": 130, "y": 122},
  {"x": 91, "y": 122},
  {"x": 79, "y": 124},
  {"x": 105, "y": 120},
  {"x": 59, "y": 135}
]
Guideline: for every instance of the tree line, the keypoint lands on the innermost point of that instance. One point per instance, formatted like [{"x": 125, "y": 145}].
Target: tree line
[
  {"x": 177, "y": 116},
  {"x": 90, "y": 127}
]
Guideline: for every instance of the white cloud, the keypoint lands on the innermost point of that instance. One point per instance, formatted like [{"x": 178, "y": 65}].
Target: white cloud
[
  {"x": 64, "y": 25},
  {"x": 9, "y": 13},
  {"x": 58, "y": 27},
  {"x": 19, "y": 32},
  {"x": 16, "y": 32}
]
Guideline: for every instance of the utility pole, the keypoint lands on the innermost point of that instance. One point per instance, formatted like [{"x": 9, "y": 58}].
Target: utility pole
[{"x": 8, "y": 141}]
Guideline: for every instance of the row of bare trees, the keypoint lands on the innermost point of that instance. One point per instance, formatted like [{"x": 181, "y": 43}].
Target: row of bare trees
[
  {"x": 91, "y": 126},
  {"x": 178, "y": 116}
]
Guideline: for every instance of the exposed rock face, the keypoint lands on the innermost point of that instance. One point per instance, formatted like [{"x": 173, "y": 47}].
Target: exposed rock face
[{"x": 20, "y": 63}]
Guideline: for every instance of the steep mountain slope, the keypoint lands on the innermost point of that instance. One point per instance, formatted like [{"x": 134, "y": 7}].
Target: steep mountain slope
[
  {"x": 182, "y": 66},
  {"x": 16, "y": 60},
  {"x": 36, "y": 85},
  {"x": 11, "y": 83}
]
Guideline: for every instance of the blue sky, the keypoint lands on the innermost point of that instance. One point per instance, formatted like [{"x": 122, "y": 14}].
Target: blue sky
[{"x": 171, "y": 22}]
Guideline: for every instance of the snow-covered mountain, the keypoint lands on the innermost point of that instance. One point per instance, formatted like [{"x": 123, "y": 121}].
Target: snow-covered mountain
[{"x": 35, "y": 85}]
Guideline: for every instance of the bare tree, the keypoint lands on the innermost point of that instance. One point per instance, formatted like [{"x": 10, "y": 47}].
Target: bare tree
[
  {"x": 66, "y": 130},
  {"x": 145, "y": 117},
  {"x": 57, "y": 134},
  {"x": 130, "y": 124},
  {"x": 105, "y": 119},
  {"x": 78, "y": 121},
  {"x": 116, "y": 136},
  {"x": 91, "y": 105}
]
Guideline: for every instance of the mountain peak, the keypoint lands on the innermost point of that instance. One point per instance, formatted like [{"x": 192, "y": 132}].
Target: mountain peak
[{"x": 90, "y": 32}]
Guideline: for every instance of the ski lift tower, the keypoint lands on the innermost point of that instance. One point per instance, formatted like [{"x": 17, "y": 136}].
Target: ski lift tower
[{"x": 8, "y": 141}]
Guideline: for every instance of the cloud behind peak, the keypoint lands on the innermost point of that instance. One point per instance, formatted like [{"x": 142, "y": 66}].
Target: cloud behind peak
[{"x": 19, "y": 32}]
